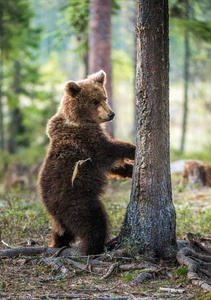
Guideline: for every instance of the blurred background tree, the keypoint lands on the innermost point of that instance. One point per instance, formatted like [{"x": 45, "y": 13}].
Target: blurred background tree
[
  {"x": 43, "y": 44},
  {"x": 190, "y": 18}
]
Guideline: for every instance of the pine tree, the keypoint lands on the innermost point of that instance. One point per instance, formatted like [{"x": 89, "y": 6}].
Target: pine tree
[
  {"x": 150, "y": 221},
  {"x": 19, "y": 43},
  {"x": 191, "y": 18}
]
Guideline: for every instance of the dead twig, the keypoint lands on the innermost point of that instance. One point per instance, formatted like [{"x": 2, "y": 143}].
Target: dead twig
[
  {"x": 208, "y": 274},
  {"x": 206, "y": 239},
  {"x": 111, "y": 298},
  {"x": 138, "y": 266},
  {"x": 59, "y": 251},
  {"x": 63, "y": 296},
  {"x": 110, "y": 270},
  {"x": 170, "y": 290},
  {"x": 8, "y": 246},
  {"x": 203, "y": 248},
  {"x": 193, "y": 241}
]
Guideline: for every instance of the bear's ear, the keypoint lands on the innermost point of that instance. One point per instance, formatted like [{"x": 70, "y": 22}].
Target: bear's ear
[
  {"x": 99, "y": 77},
  {"x": 72, "y": 88}
]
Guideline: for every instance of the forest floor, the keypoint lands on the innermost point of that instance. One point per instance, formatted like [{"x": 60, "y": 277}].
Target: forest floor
[{"x": 23, "y": 223}]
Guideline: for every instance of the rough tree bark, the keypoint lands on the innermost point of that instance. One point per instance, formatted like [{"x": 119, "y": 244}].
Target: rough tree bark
[
  {"x": 150, "y": 221},
  {"x": 100, "y": 45}
]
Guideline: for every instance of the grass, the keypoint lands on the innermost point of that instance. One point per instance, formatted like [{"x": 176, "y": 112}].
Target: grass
[
  {"x": 23, "y": 218},
  {"x": 204, "y": 156}
]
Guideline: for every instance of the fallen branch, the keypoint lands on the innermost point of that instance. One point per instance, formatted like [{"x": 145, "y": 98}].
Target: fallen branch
[
  {"x": 60, "y": 296},
  {"x": 111, "y": 298},
  {"x": 110, "y": 270},
  {"x": 138, "y": 266},
  {"x": 55, "y": 263},
  {"x": 140, "y": 278},
  {"x": 170, "y": 290},
  {"x": 34, "y": 251}
]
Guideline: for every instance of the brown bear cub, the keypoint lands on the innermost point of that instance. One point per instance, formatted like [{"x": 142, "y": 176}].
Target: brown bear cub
[{"x": 79, "y": 160}]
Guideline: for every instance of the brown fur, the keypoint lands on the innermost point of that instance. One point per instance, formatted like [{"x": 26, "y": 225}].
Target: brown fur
[
  {"x": 196, "y": 172},
  {"x": 76, "y": 134}
]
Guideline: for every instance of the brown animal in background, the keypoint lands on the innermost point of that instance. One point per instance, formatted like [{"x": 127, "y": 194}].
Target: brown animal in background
[
  {"x": 79, "y": 160},
  {"x": 197, "y": 173},
  {"x": 207, "y": 169},
  {"x": 18, "y": 176},
  {"x": 21, "y": 177}
]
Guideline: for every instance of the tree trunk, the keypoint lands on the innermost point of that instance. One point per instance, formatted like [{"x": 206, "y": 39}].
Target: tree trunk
[
  {"x": 100, "y": 45},
  {"x": 150, "y": 222},
  {"x": 16, "y": 127},
  {"x": 186, "y": 79},
  {"x": 1, "y": 83}
]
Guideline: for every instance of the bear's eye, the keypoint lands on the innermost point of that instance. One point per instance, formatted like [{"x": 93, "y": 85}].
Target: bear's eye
[{"x": 96, "y": 103}]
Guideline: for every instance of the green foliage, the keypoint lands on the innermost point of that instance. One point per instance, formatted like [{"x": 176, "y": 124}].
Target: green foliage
[
  {"x": 128, "y": 276},
  {"x": 190, "y": 219},
  {"x": 77, "y": 15},
  {"x": 5, "y": 160},
  {"x": 19, "y": 45},
  {"x": 199, "y": 29},
  {"x": 181, "y": 271},
  {"x": 203, "y": 156},
  {"x": 190, "y": 17},
  {"x": 122, "y": 63}
]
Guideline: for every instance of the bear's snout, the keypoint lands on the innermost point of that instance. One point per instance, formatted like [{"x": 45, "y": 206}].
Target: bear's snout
[{"x": 111, "y": 115}]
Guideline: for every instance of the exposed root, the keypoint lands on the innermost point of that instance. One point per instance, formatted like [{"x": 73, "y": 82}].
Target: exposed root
[
  {"x": 33, "y": 251},
  {"x": 186, "y": 256},
  {"x": 197, "y": 263},
  {"x": 140, "y": 278}
]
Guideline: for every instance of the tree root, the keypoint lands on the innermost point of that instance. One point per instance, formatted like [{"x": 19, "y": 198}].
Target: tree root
[
  {"x": 34, "y": 251},
  {"x": 140, "y": 278},
  {"x": 186, "y": 256},
  {"x": 197, "y": 263}
]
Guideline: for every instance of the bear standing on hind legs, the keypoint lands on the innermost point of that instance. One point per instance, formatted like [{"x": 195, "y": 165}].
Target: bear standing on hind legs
[{"x": 80, "y": 158}]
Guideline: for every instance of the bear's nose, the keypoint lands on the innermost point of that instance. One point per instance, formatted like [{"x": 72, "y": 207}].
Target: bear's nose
[{"x": 111, "y": 115}]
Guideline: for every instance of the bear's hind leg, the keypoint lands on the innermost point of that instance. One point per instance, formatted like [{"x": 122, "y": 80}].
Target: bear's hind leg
[
  {"x": 58, "y": 240},
  {"x": 96, "y": 231},
  {"x": 94, "y": 244}
]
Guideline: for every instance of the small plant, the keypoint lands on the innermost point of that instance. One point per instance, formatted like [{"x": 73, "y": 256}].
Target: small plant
[
  {"x": 179, "y": 188},
  {"x": 181, "y": 271},
  {"x": 128, "y": 276}
]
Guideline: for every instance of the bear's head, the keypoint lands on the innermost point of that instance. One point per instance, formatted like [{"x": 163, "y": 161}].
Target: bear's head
[{"x": 86, "y": 100}]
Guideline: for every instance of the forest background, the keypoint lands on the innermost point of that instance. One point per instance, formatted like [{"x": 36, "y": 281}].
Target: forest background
[{"x": 42, "y": 45}]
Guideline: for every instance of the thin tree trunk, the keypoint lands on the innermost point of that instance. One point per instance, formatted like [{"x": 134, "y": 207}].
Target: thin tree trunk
[
  {"x": 1, "y": 83},
  {"x": 85, "y": 58},
  {"x": 150, "y": 219},
  {"x": 1, "y": 107},
  {"x": 186, "y": 79},
  {"x": 16, "y": 126},
  {"x": 100, "y": 45}
]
